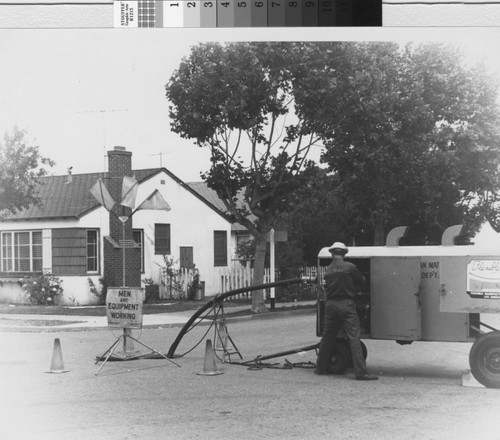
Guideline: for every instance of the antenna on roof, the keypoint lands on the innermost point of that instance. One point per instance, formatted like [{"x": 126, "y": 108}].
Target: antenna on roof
[
  {"x": 161, "y": 157},
  {"x": 103, "y": 115}
]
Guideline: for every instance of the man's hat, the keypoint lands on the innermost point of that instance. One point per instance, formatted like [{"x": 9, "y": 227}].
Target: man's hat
[{"x": 338, "y": 245}]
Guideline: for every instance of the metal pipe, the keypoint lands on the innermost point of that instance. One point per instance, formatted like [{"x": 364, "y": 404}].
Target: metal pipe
[
  {"x": 219, "y": 298},
  {"x": 283, "y": 353},
  {"x": 488, "y": 326}
]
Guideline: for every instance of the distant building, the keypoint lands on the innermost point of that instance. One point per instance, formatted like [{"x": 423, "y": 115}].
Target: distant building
[{"x": 73, "y": 237}]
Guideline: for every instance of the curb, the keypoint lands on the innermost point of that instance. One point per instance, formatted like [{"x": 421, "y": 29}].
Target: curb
[{"x": 229, "y": 318}]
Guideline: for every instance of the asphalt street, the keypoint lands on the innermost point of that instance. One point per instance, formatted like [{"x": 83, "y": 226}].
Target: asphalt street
[{"x": 420, "y": 394}]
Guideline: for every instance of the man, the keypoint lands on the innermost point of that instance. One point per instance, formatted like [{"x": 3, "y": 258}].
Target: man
[{"x": 343, "y": 281}]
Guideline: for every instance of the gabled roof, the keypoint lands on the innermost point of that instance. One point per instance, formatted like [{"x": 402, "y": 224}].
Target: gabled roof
[
  {"x": 211, "y": 196},
  {"x": 63, "y": 200},
  {"x": 208, "y": 194}
]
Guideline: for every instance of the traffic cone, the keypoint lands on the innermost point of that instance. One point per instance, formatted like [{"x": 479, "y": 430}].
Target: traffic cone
[
  {"x": 57, "y": 364},
  {"x": 209, "y": 367}
]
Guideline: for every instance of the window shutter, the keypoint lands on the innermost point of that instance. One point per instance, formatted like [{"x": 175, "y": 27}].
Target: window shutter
[
  {"x": 162, "y": 239},
  {"x": 220, "y": 248},
  {"x": 69, "y": 251}
]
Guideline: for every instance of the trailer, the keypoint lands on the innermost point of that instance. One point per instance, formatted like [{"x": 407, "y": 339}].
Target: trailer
[{"x": 426, "y": 293}]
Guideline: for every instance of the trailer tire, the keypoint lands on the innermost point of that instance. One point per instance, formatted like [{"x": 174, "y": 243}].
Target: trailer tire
[
  {"x": 341, "y": 358},
  {"x": 484, "y": 359},
  {"x": 363, "y": 348}
]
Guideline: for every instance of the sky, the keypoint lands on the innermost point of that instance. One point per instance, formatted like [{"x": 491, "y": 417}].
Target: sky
[{"x": 80, "y": 92}]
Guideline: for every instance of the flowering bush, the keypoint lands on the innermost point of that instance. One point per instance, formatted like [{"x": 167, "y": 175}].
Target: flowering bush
[{"x": 42, "y": 288}]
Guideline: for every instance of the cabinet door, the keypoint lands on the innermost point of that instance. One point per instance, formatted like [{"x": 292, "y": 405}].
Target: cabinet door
[
  {"x": 394, "y": 298},
  {"x": 470, "y": 284}
]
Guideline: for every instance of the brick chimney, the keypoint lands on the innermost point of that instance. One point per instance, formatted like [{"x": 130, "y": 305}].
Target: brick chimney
[{"x": 120, "y": 165}]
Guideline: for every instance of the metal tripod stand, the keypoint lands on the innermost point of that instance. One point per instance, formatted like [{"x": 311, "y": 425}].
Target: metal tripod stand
[
  {"x": 127, "y": 354},
  {"x": 223, "y": 342}
]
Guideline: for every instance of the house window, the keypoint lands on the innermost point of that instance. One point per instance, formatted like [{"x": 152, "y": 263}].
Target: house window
[
  {"x": 243, "y": 239},
  {"x": 220, "y": 248},
  {"x": 92, "y": 250},
  {"x": 162, "y": 239},
  {"x": 22, "y": 251},
  {"x": 186, "y": 257},
  {"x": 75, "y": 251},
  {"x": 138, "y": 237}
]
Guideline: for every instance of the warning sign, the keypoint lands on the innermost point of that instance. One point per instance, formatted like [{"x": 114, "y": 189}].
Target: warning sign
[
  {"x": 124, "y": 307},
  {"x": 483, "y": 279}
]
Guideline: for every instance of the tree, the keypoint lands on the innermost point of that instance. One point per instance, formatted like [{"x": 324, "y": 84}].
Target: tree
[
  {"x": 318, "y": 216},
  {"x": 20, "y": 167},
  {"x": 236, "y": 100},
  {"x": 412, "y": 134}
]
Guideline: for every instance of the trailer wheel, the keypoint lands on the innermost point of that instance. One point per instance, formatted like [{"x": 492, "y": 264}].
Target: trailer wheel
[
  {"x": 341, "y": 358},
  {"x": 484, "y": 359},
  {"x": 345, "y": 342},
  {"x": 365, "y": 350}
]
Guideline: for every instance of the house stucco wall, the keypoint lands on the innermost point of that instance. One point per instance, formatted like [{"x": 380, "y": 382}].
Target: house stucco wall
[
  {"x": 76, "y": 289},
  {"x": 192, "y": 224}
]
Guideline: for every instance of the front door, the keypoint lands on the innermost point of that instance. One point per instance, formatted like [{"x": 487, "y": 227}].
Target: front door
[{"x": 395, "y": 298}]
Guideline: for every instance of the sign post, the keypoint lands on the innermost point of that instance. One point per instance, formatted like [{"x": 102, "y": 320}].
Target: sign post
[
  {"x": 273, "y": 237},
  {"x": 124, "y": 307},
  {"x": 124, "y": 310},
  {"x": 272, "y": 268},
  {"x": 124, "y": 304}
]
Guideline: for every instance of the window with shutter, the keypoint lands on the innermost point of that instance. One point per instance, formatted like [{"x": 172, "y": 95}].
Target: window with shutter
[
  {"x": 220, "y": 248},
  {"x": 69, "y": 251},
  {"x": 162, "y": 239}
]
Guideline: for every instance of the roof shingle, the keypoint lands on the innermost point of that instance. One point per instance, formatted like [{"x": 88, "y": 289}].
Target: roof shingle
[{"x": 60, "y": 199}]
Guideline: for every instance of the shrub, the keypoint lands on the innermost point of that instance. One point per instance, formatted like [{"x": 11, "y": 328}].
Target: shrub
[
  {"x": 100, "y": 294},
  {"x": 194, "y": 286},
  {"x": 42, "y": 288}
]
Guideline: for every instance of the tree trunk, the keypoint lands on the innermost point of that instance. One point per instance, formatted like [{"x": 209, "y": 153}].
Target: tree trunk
[{"x": 258, "y": 305}]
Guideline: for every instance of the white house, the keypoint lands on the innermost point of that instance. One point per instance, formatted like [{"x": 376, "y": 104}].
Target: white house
[{"x": 73, "y": 237}]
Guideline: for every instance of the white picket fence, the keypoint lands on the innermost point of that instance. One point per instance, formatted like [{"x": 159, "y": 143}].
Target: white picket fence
[
  {"x": 177, "y": 286},
  {"x": 236, "y": 277}
]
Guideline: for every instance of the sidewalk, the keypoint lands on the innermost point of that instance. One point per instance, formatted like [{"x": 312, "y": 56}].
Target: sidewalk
[{"x": 13, "y": 322}]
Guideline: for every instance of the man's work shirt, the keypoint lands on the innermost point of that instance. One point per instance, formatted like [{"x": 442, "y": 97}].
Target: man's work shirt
[{"x": 343, "y": 280}]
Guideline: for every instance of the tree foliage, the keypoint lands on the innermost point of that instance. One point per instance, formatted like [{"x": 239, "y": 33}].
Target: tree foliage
[
  {"x": 20, "y": 167},
  {"x": 318, "y": 216},
  {"x": 412, "y": 133},
  {"x": 410, "y": 136},
  {"x": 236, "y": 99}
]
